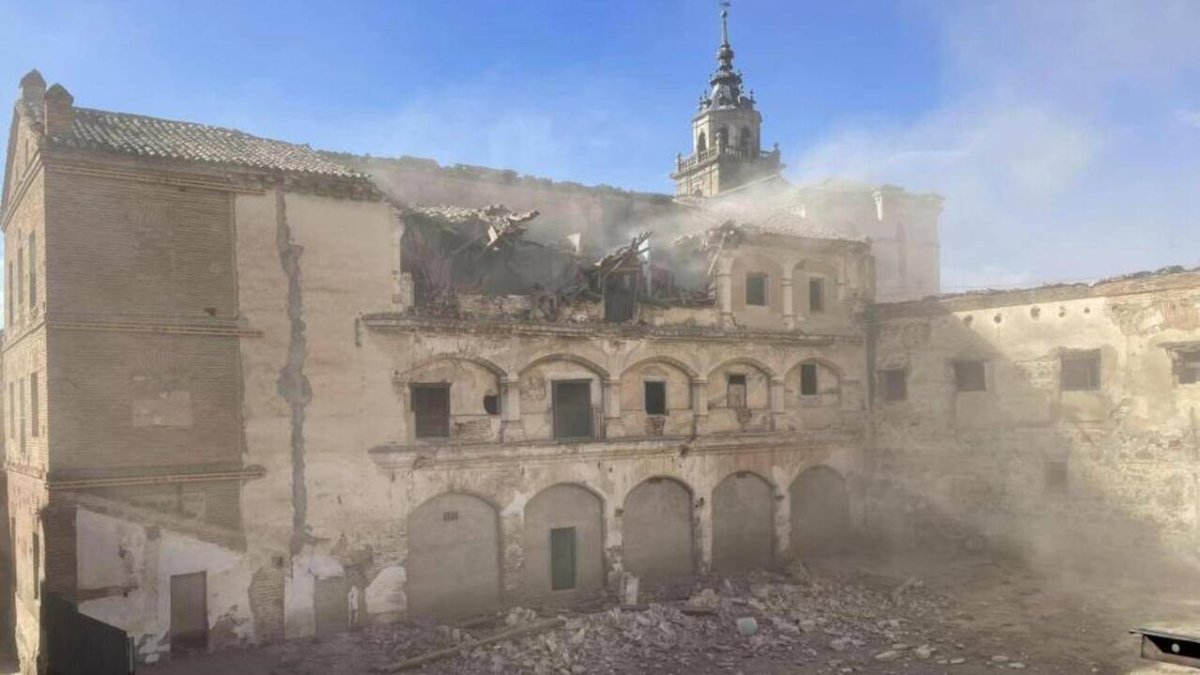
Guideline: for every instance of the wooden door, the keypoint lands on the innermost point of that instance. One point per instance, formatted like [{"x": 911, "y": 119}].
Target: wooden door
[{"x": 189, "y": 613}]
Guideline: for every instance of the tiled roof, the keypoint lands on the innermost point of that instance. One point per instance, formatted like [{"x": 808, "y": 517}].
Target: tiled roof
[{"x": 99, "y": 130}]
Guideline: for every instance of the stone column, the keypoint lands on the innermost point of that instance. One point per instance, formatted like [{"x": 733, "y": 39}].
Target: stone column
[
  {"x": 612, "y": 409},
  {"x": 789, "y": 298},
  {"x": 725, "y": 291},
  {"x": 511, "y": 427},
  {"x": 512, "y": 533},
  {"x": 700, "y": 406},
  {"x": 777, "y": 407},
  {"x": 703, "y": 531},
  {"x": 783, "y": 523}
]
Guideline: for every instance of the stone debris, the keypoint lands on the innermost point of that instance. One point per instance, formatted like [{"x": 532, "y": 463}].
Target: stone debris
[{"x": 704, "y": 625}]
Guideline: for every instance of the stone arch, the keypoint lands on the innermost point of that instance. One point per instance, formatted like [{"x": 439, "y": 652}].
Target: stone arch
[
  {"x": 722, "y": 140},
  {"x": 820, "y": 506},
  {"x": 477, "y": 360},
  {"x": 562, "y": 507},
  {"x": 672, "y": 381},
  {"x": 537, "y": 391},
  {"x": 731, "y": 410},
  {"x": 569, "y": 358},
  {"x": 701, "y": 142},
  {"x": 475, "y": 388},
  {"x": 829, "y": 380},
  {"x": 656, "y": 529},
  {"x": 743, "y": 512},
  {"x": 453, "y": 562}
]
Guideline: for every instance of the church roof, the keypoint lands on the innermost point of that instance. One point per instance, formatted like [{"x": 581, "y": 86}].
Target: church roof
[{"x": 141, "y": 136}]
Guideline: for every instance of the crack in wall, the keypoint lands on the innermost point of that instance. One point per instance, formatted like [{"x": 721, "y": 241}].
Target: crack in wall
[{"x": 293, "y": 384}]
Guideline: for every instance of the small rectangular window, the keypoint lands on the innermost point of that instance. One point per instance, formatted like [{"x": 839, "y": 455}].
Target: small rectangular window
[
  {"x": 808, "y": 379},
  {"x": 33, "y": 405},
  {"x": 816, "y": 294},
  {"x": 431, "y": 410},
  {"x": 735, "y": 395},
  {"x": 1056, "y": 480},
  {"x": 37, "y": 564},
  {"x": 895, "y": 384},
  {"x": 1187, "y": 366},
  {"x": 970, "y": 376},
  {"x": 20, "y": 276},
  {"x": 656, "y": 398},
  {"x": 1081, "y": 371},
  {"x": 572, "y": 402},
  {"x": 562, "y": 558},
  {"x": 756, "y": 290},
  {"x": 21, "y": 415},
  {"x": 32, "y": 270}
]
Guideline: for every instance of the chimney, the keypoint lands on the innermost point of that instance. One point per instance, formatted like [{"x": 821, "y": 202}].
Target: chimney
[
  {"x": 59, "y": 111},
  {"x": 33, "y": 87}
]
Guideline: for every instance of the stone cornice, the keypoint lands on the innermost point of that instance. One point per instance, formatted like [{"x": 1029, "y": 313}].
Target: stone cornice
[
  {"x": 411, "y": 323},
  {"x": 248, "y": 473},
  {"x": 528, "y": 453}
]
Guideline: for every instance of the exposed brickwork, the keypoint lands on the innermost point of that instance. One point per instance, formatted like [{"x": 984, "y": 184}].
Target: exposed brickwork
[{"x": 266, "y": 602}]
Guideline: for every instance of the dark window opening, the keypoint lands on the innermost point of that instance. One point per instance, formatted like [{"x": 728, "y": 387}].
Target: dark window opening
[
  {"x": 723, "y": 137},
  {"x": 808, "y": 379},
  {"x": 562, "y": 558},
  {"x": 431, "y": 410},
  {"x": 37, "y": 564},
  {"x": 620, "y": 297},
  {"x": 656, "y": 398},
  {"x": 701, "y": 142},
  {"x": 816, "y": 295},
  {"x": 34, "y": 413},
  {"x": 449, "y": 516},
  {"x": 491, "y": 404},
  {"x": 756, "y": 290},
  {"x": 1187, "y": 366},
  {"x": 1056, "y": 477},
  {"x": 895, "y": 384},
  {"x": 744, "y": 140},
  {"x": 32, "y": 270},
  {"x": 572, "y": 402},
  {"x": 1081, "y": 372},
  {"x": 970, "y": 376},
  {"x": 735, "y": 396}
]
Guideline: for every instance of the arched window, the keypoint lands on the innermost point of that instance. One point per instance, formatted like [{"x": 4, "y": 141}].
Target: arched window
[
  {"x": 745, "y": 140},
  {"x": 723, "y": 137},
  {"x": 701, "y": 142}
]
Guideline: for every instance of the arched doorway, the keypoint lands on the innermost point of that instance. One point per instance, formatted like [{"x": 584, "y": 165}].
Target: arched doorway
[
  {"x": 820, "y": 512},
  {"x": 453, "y": 557},
  {"x": 563, "y": 542},
  {"x": 657, "y": 529},
  {"x": 743, "y": 523}
]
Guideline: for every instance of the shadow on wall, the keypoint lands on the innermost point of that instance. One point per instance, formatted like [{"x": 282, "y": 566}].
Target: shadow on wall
[{"x": 1050, "y": 435}]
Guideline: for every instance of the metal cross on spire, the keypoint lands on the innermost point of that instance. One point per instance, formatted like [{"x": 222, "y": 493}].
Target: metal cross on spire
[{"x": 724, "y": 5}]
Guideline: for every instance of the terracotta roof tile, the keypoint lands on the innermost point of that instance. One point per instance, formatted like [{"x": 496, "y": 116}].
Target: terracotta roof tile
[{"x": 138, "y": 135}]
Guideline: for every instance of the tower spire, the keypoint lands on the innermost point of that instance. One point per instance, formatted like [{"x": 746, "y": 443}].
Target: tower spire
[{"x": 725, "y": 22}]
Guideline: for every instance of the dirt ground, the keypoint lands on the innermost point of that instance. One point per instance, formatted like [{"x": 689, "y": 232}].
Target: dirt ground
[{"x": 858, "y": 613}]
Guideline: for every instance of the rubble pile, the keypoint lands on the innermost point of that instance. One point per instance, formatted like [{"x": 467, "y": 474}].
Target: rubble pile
[{"x": 732, "y": 626}]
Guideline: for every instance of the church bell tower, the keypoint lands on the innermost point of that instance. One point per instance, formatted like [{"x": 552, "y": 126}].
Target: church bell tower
[{"x": 726, "y": 134}]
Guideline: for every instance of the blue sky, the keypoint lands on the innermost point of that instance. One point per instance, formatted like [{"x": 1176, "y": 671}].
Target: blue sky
[{"x": 1064, "y": 135}]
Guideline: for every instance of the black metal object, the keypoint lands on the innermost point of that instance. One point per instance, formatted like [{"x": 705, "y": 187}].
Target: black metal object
[
  {"x": 81, "y": 645},
  {"x": 1170, "y": 646}
]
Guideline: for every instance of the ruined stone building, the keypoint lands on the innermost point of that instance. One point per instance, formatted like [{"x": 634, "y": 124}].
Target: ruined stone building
[{"x": 244, "y": 380}]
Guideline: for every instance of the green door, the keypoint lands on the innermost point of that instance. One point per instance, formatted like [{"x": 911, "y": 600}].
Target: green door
[{"x": 562, "y": 558}]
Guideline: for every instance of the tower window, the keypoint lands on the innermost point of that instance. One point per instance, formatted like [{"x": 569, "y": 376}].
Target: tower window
[
  {"x": 745, "y": 140},
  {"x": 701, "y": 142},
  {"x": 723, "y": 137},
  {"x": 756, "y": 290}
]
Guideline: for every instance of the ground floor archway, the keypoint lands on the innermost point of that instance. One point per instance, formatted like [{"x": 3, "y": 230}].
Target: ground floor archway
[
  {"x": 743, "y": 523},
  {"x": 656, "y": 529},
  {"x": 563, "y": 542},
  {"x": 453, "y": 557},
  {"x": 820, "y": 508}
]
